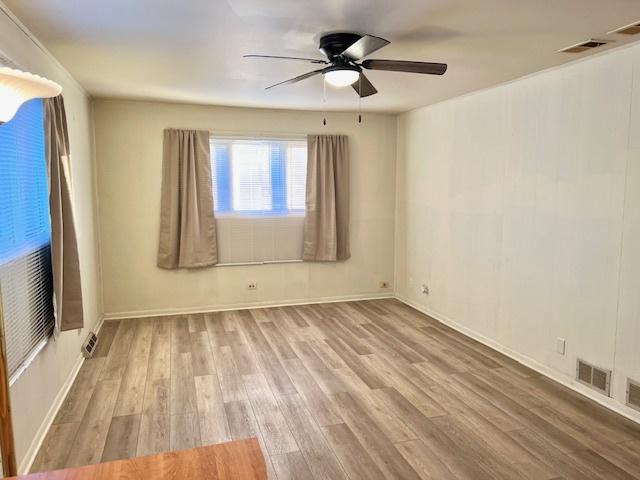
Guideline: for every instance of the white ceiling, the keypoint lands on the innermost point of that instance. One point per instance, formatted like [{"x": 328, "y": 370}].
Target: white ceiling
[{"x": 191, "y": 50}]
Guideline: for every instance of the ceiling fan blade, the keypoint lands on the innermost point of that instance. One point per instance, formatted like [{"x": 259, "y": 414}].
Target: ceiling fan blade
[
  {"x": 296, "y": 79},
  {"x": 365, "y": 46},
  {"x": 312, "y": 60},
  {"x": 402, "y": 66},
  {"x": 363, "y": 86}
]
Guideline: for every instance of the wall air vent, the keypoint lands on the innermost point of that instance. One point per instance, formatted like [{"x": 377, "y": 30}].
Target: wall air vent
[
  {"x": 632, "y": 29},
  {"x": 89, "y": 346},
  {"x": 633, "y": 394},
  {"x": 584, "y": 46},
  {"x": 597, "y": 378}
]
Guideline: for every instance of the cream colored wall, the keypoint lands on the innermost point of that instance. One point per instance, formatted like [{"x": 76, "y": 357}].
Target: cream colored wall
[
  {"x": 519, "y": 206},
  {"x": 39, "y": 387},
  {"x": 129, "y": 162}
]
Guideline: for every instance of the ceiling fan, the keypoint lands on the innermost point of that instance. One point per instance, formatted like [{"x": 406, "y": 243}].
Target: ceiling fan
[{"x": 343, "y": 51}]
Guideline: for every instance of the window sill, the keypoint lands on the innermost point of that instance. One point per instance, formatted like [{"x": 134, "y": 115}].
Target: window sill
[{"x": 270, "y": 262}]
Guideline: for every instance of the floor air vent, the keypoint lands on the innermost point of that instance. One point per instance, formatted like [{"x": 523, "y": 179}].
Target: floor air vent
[
  {"x": 597, "y": 378},
  {"x": 89, "y": 345},
  {"x": 584, "y": 46},
  {"x": 633, "y": 394}
]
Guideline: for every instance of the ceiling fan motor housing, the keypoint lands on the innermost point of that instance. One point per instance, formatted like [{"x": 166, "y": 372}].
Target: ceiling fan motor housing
[{"x": 333, "y": 44}]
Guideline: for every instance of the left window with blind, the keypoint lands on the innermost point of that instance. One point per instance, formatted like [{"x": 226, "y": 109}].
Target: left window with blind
[{"x": 26, "y": 283}]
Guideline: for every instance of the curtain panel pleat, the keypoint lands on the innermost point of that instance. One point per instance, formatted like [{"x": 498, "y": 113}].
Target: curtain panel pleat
[
  {"x": 326, "y": 226},
  {"x": 67, "y": 285},
  {"x": 187, "y": 223}
]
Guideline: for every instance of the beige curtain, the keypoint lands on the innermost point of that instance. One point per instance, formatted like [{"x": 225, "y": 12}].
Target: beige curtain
[
  {"x": 326, "y": 224},
  {"x": 187, "y": 224},
  {"x": 64, "y": 245}
]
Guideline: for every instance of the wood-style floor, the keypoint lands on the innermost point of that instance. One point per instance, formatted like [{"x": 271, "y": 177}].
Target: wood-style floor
[{"x": 358, "y": 390}]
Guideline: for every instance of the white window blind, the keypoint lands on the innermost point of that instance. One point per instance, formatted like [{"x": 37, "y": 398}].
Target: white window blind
[
  {"x": 25, "y": 258},
  {"x": 259, "y": 198}
]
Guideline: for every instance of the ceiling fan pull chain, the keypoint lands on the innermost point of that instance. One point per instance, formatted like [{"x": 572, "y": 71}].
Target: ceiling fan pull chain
[
  {"x": 324, "y": 100},
  {"x": 359, "y": 99}
]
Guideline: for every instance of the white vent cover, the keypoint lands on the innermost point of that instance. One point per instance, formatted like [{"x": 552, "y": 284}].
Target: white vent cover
[
  {"x": 597, "y": 378},
  {"x": 584, "y": 46},
  {"x": 633, "y": 394},
  {"x": 632, "y": 29},
  {"x": 89, "y": 345}
]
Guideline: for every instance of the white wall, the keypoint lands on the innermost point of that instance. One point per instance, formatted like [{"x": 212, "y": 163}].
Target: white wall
[
  {"x": 519, "y": 206},
  {"x": 129, "y": 163},
  {"x": 38, "y": 388}
]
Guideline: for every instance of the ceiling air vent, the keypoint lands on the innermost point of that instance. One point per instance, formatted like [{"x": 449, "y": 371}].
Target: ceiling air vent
[
  {"x": 632, "y": 29},
  {"x": 597, "y": 378},
  {"x": 633, "y": 394},
  {"x": 584, "y": 46}
]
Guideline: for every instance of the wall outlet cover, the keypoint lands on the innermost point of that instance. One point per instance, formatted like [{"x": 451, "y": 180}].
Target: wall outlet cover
[
  {"x": 561, "y": 344},
  {"x": 252, "y": 286},
  {"x": 424, "y": 289}
]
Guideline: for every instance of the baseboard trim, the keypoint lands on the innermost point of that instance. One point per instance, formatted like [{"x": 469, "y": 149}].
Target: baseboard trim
[
  {"x": 32, "y": 451},
  {"x": 554, "y": 375},
  {"x": 244, "y": 306}
]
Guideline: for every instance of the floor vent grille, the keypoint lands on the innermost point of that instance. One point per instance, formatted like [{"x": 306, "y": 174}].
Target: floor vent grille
[
  {"x": 89, "y": 345},
  {"x": 597, "y": 378},
  {"x": 633, "y": 394}
]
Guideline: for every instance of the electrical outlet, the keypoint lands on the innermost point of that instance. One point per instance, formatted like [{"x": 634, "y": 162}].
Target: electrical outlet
[
  {"x": 561, "y": 344},
  {"x": 252, "y": 286},
  {"x": 424, "y": 289},
  {"x": 384, "y": 284}
]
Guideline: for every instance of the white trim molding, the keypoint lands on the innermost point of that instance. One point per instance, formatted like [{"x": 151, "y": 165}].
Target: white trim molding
[
  {"x": 554, "y": 375},
  {"x": 244, "y": 306},
  {"x": 36, "y": 443}
]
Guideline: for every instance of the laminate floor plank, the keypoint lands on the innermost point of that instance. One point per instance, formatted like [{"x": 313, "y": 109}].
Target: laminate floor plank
[
  {"x": 355, "y": 459},
  {"x": 201, "y": 356},
  {"x": 122, "y": 438},
  {"x": 291, "y": 466},
  {"x": 348, "y": 390},
  {"x": 273, "y": 426},
  {"x": 91, "y": 437},
  {"x": 320, "y": 458},
  {"x": 56, "y": 447},
  {"x": 185, "y": 431},
  {"x": 160, "y": 353},
  {"x": 321, "y": 408},
  {"x": 382, "y": 451},
  {"x": 230, "y": 379},
  {"x": 76, "y": 401},
  {"x": 116, "y": 360},
  {"x": 105, "y": 337},
  {"x": 155, "y": 421},
  {"x": 131, "y": 391},
  {"x": 183, "y": 389},
  {"x": 214, "y": 427}
]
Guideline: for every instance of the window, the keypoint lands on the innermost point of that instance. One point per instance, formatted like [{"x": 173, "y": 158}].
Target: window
[
  {"x": 25, "y": 254},
  {"x": 259, "y": 198}
]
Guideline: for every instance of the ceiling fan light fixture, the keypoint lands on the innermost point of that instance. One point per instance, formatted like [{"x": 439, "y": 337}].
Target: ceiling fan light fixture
[
  {"x": 17, "y": 87},
  {"x": 342, "y": 77}
]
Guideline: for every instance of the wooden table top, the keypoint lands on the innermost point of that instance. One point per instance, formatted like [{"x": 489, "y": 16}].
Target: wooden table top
[{"x": 240, "y": 460}]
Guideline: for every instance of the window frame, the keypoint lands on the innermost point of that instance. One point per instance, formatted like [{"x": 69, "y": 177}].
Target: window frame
[
  {"x": 223, "y": 206},
  {"x": 32, "y": 249},
  {"x": 279, "y": 209}
]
